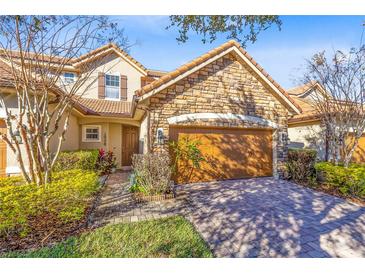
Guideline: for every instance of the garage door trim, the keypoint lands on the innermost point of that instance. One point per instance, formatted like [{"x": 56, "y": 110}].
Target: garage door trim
[{"x": 175, "y": 120}]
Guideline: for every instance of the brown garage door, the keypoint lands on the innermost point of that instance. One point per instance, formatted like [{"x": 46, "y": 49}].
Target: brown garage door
[
  {"x": 230, "y": 153},
  {"x": 359, "y": 153},
  {"x": 2, "y": 150}
]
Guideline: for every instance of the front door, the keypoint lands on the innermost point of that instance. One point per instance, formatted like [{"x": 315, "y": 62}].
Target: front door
[
  {"x": 2, "y": 150},
  {"x": 129, "y": 144}
]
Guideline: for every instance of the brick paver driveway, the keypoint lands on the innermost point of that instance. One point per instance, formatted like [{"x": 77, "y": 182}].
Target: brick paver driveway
[{"x": 268, "y": 218}]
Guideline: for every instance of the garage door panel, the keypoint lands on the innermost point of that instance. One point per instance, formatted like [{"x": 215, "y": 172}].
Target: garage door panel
[
  {"x": 359, "y": 153},
  {"x": 229, "y": 153}
]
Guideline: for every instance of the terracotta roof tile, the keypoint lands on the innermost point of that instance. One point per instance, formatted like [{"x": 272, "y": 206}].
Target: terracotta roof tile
[
  {"x": 5, "y": 75},
  {"x": 201, "y": 59},
  {"x": 106, "y": 107},
  {"x": 302, "y": 88},
  {"x": 156, "y": 73}
]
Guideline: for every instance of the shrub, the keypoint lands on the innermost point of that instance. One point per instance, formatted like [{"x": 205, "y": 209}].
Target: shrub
[
  {"x": 65, "y": 198},
  {"x": 188, "y": 151},
  {"x": 152, "y": 173},
  {"x": 300, "y": 165},
  {"x": 348, "y": 181},
  {"x": 81, "y": 159},
  {"x": 105, "y": 162}
]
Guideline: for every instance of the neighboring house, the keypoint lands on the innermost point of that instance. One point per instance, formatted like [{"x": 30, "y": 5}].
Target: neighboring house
[
  {"x": 306, "y": 130},
  {"x": 223, "y": 98}
]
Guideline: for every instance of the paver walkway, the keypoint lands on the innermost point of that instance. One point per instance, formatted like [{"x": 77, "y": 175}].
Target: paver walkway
[
  {"x": 116, "y": 204},
  {"x": 264, "y": 217},
  {"x": 259, "y": 217}
]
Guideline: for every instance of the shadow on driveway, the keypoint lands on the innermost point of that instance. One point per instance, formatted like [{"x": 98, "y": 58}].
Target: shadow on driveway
[{"x": 264, "y": 217}]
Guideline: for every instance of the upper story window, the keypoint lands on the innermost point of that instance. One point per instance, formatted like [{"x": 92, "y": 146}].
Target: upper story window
[
  {"x": 69, "y": 77},
  {"x": 112, "y": 86}
]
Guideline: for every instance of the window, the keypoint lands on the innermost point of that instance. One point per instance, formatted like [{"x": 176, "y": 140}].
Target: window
[
  {"x": 91, "y": 133},
  {"x": 69, "y": 77},
  {"x": 112, "y": 86}
]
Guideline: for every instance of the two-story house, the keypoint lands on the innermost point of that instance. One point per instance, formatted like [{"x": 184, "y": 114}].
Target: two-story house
[{"x": 223, "y": 98}]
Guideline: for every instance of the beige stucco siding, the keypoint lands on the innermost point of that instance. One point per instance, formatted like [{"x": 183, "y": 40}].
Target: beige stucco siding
[
  {"x": 103, "y": 138},
  {"x": 71, "y": 141},
  {"x": 143, "y": 136},
  {"x": 112, "y": 64},
  {"x": 307, "y": 136}
]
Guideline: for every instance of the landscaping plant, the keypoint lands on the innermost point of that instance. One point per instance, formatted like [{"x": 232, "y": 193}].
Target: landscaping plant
[
  {"x": 105, "y": 162},
  {"x": 348, "y": 181},
  {"x": 80, "y": 159},
  {"x": 300, "y": 165},
  {"x": 28, "y": 207},
  {"x": 186, "y": 150},
  {"x": 152, "y": 173}
]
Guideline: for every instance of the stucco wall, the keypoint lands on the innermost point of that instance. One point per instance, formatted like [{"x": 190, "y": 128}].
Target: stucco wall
[
  {"x": 112, "y": 64},
  {"x": 71, "y": 137},
  {"x": 224, "y": 86},
  {"x": 104, "y": 144},
  {"x": 143, "y": 136},
  {"x": 308, "y": 136}
]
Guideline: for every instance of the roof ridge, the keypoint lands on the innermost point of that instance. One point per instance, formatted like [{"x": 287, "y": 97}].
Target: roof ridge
[{"x": 204, "y": 57}]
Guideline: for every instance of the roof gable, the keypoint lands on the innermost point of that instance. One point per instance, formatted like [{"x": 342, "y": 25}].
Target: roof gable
[
  {"x": 106, "y": 50},
  {"x": 307, "y": 89},
  {"x": 200, "y": 62}
]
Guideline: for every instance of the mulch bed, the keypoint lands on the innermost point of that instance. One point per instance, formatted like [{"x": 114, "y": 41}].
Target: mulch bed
[
  {"x": 334, "y": 192},
  {"x": 47, "y": 229},
  {"x": 44, "y": 230}
]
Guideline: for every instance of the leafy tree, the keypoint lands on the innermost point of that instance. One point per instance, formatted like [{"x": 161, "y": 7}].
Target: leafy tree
[
  {"x": 37, "y": 51},
  {"x": 243, "y": 28},
  {"x": 341, "y": 103}
]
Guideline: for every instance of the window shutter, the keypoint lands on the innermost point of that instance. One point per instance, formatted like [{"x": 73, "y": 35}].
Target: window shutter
[
  {"x": 101, "y": 85},
  {"x": 123, "y": 87}
]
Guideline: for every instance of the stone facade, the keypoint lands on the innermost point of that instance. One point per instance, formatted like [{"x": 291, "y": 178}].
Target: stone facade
[{"x": 224, "y": 86}]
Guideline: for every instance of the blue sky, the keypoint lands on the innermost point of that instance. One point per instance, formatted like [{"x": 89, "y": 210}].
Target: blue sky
[{"x": 281, "y": 53}]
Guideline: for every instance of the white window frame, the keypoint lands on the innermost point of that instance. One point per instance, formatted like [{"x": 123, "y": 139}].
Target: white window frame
[
  {"x": 85, "y": 127},
  {"x": 117, "y": 75},
  {"x": 65, "y": 79}
]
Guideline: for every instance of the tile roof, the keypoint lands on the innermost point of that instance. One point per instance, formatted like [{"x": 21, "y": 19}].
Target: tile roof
[
  {"x": 104, "y": 50},
  {"x": 308, "y": 111},
  {"x": 5, "y": 75},
  {"x": 102, "y": 107},
  {"x": 302, "y": 88},
  {"x": 203, "y": 58},
  {"x": 156, "y": 73},
  {"x": 15, "y": 55}
]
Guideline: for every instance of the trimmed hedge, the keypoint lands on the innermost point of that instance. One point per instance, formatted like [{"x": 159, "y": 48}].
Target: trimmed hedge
[
  {"x": 300, "y": 165},
  {"x": 80, "y": 159},
  {"x": 348, "y": 181},
  {"x": 65, "y": 199}
]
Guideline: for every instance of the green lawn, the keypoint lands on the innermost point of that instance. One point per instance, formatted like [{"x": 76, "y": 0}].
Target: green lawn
[{"x": 168, "y": 237}]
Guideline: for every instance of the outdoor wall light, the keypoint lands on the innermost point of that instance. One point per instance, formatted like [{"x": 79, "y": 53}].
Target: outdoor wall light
[{"x": 160, "y": 136}]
